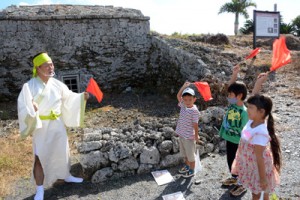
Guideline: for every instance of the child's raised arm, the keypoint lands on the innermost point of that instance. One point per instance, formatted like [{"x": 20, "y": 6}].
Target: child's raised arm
[
  {"x": 179, "y": 94},
  {"x": 262, "y": 77},
  {"x": 234, "y": 75}
]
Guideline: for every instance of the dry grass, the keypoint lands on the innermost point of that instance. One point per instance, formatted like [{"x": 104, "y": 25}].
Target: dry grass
[{"x": 15, "y": 161}]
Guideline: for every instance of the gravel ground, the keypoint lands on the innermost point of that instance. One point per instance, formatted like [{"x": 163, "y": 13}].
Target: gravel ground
[{"x": 285, "y": 92}]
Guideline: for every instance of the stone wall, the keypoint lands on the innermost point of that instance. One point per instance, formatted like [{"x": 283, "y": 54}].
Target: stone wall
[
  {"x": 111, "y": 44},
  {"x": 170, "y": 67},
  {"x": 107, "y": 153}
]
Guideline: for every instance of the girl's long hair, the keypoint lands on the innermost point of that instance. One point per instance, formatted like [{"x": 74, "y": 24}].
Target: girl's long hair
[{"x": 263, "y": 102}]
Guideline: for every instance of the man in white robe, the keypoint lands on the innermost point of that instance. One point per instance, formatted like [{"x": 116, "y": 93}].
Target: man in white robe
[{"x": 45, "y": 107}]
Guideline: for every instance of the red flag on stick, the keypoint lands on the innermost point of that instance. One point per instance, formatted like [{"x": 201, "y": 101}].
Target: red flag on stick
[
  {"x": 253, "y": 53},
  {"x": 94, "y": 89},
  {"x": 204, "y": 90},
  {"x": 281, "y": 54}
]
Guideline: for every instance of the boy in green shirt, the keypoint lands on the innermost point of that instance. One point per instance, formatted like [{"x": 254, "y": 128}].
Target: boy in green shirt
[{"x": 234, "y": 121}]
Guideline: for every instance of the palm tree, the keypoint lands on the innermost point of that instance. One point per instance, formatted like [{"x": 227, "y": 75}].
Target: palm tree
[
  {"x": 248, "y": 27},
  {"x": 238, "y": 7}
]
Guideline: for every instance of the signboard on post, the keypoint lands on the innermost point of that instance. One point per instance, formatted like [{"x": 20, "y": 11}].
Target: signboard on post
[{"x": 266, "y": 24}]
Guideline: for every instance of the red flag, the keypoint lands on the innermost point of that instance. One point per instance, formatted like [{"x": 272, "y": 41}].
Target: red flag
[
  {"x": 94, "y": 89},
  {"x": 204, "y": 90},
  {"x": 253, "y": 53},
  {"x": 281, "y": 54}
]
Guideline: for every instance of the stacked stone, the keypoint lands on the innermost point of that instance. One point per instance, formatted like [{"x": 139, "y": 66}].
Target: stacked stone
[
  {"x": 109, "y": 153},
  {"x": 111, "y": 44}
]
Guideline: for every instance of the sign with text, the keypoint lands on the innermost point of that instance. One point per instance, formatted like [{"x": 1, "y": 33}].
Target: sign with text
[{"x": 266, "y": 24}]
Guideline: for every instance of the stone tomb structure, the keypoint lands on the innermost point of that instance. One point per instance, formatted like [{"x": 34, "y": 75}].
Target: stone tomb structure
[{"x": 111, "y": 44}]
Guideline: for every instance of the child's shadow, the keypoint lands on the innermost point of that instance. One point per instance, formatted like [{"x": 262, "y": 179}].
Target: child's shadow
[{"x": 228, "y": 196}]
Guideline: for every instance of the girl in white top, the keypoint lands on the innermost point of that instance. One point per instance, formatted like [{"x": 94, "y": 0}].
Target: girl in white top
[{"x": 258, "y": 159}]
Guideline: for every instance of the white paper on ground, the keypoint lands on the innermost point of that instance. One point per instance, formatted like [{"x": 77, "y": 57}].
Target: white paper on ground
[
  {"x": 174, "y": 196},
  {"x": 162, "y": 177}
]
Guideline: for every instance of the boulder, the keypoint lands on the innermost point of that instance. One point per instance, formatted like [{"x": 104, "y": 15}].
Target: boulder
[
  {"x": 144, "y": 168},
  {"x": 150, "y": 155},
  {"x": 92, "y": 161},
  {"x": 85, "y": 147},
  {"x": 92, "y": 134},
  {"x": 128, "y": 164},
  {"x": 209, "y": 148},
  {"x": 119, "y": 152},
  {"x": 165, "y": 147},
  {"x": 102, "y": 175}
]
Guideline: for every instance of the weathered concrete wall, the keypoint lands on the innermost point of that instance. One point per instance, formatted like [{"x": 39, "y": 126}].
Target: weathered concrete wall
[{"x": 112, "y": 44}]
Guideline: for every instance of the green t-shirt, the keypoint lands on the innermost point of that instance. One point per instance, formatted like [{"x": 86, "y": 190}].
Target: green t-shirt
[{"x": 234, "y": 121}]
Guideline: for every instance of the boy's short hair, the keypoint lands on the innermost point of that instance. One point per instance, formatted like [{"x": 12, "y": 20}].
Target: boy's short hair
[{"x": 238, "y": 88}]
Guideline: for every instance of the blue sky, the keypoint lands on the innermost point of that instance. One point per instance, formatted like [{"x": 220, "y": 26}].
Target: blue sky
[{"x": 185, "y": 16}]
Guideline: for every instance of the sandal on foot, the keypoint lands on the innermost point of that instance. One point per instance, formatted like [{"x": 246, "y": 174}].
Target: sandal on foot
[
  {"x": 229, "y": 182},
  {"x": 183, "y": 170},
  {"x": 238, "y": 191}
]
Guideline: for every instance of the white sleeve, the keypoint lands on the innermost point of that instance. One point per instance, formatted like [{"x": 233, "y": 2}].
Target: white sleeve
[
  {"x": 28, "y": 118},
  {"x": 73, "y": 107},
  {"x": 261, "y": 137}
]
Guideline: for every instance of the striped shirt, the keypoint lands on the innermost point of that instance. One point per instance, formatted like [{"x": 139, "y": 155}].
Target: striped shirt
[{"x": 187, "y": 117}]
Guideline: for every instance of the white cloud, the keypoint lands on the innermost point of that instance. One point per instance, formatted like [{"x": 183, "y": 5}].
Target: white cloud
[
  {"x": 23, "y": 4},
  {"x": 39, "y": 2}
]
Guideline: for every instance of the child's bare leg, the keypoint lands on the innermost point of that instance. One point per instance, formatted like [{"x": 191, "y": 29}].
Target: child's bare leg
[
  {"x": 186, "y": 161},
  {"x": 192, "y": 165}
]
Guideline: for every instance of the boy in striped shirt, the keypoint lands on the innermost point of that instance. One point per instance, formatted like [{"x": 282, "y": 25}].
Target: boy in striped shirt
[{"x": 187, "y": 128}]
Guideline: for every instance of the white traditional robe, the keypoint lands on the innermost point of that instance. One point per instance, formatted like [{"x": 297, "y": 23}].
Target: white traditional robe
[{"x": 50, "y": 141}]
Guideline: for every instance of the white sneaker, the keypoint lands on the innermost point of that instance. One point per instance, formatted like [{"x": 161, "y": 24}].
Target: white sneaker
[
  {"x": 72, "y": 179},
  {"x": 39, "y": 193}
]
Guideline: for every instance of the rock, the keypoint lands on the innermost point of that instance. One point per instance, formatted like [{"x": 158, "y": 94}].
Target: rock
[
  {"x": 106, "y": 146},
  {"x": 144, "y": 168},
  {"x": 171, "y": 160},
  {"x": 292, "y": 42},
  {"x": 84, "y": 147},
  {"x": 137, "y": 148},
  {"x": 205, "y": 116},
  {"x": 209, "y": 148},
  {"x": 102, "y": 175},
  {"x": 93, "y": 161},
  {"x": 106, "y": 136},
  {"x": 92, "y": 134},
  {"x": 128, "y": 164},
  {"x": 155, "y": 135},
  {"x": 222, "y": 145},
  {"x": 118, "y": 175},
  {"x": 165, "y": 147},
  {"x": 167, "y": 132},
  {"x": 216, "y": 112},
  {"x": 119, "y": 152},
  {"x": 150, "y": 155}
]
